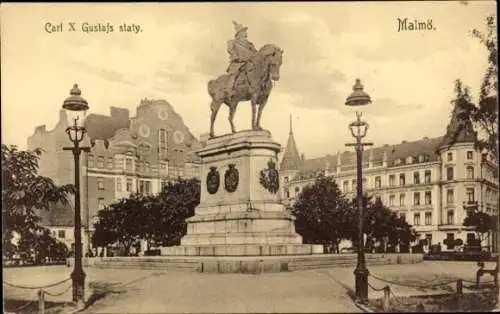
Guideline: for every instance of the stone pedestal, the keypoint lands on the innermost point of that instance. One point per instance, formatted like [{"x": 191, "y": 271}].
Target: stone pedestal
[{"x": 240, "y": 211}]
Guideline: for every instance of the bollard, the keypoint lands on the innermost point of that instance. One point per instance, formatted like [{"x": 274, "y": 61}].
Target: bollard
[
  {"x": 41, "y": 301},
  {"x": 387, "y": 295},
  {"x": 459, "y": 292}
]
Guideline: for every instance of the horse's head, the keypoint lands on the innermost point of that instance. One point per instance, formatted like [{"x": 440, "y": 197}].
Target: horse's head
[{"x": 274, "y": 58}]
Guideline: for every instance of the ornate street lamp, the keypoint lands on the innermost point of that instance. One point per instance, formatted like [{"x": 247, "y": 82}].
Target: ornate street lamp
[
  {"x": 76, "y": 108},
  {"x": 358, "y": 130}
]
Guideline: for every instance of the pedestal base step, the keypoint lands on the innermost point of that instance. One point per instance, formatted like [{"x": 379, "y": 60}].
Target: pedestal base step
[{"x": 243, "y": 250}]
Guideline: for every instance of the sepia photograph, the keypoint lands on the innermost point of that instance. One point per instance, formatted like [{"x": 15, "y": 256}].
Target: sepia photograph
[{"x": 250, "y": 157}]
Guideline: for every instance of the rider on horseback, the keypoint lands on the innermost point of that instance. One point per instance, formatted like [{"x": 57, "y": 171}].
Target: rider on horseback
[{"x": 240, "y": 50}]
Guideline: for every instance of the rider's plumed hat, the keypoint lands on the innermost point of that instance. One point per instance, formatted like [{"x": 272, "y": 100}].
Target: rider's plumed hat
[{"x": 239, "y": 28}]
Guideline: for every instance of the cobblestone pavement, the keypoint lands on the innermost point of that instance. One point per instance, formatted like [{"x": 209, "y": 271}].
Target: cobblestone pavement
[{"x": 153, "y": 291}]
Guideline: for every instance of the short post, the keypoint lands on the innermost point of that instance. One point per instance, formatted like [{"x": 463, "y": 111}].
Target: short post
[
  {"x": 459, "y": 293},
  {"x": 41, "y": 301},
  {"x": 387, "y": 295}
]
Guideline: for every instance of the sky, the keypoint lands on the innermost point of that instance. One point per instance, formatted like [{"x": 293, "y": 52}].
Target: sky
[{"x": 408, "y": 74}]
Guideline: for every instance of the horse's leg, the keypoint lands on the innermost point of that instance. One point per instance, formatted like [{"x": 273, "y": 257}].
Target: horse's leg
[
  {"x": 253, "y": 104},
  {"x": 232, "y": 110},
  {"x": 259, "y": 113},
  {"x": 214, "y": 107}
]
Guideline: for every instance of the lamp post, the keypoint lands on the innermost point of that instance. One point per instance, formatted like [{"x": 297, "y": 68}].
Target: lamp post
[
  {"x": 358, "y": 130},
  {"x": 76, "y": 108}
]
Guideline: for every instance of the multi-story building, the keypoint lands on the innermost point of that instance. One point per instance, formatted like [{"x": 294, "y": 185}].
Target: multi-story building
[
  {"x": 431, "y": 182},
  {"x": 128, "y": 154}
]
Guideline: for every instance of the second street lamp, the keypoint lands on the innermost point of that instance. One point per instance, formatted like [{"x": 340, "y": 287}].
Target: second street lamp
[
  {"x": 76, "y": 108},
  {"x": 358, "y": 130}
]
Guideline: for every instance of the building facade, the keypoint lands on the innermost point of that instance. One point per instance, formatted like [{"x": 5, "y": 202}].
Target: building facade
[
  {"x": 431, "y": 182},
  {"x": 128, "y": 155}
]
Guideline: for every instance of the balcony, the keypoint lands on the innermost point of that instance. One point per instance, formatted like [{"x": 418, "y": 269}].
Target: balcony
[{"x": 470, "y": 205}]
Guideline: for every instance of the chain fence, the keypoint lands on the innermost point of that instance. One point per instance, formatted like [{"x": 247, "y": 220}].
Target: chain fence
[
  {"x": 40, "y": 299},
  {"x": 389, "y": 295}
]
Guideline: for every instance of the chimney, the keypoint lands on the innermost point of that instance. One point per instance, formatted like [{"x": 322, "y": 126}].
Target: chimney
[
  {"x": 120, "y": 113},
  {"x": 338, "y": 161},
  {"x": 384, "y": 159}
]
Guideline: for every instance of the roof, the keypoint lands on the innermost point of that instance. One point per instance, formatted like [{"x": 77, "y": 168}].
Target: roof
[
  {"x": 426, "y": 146},
  {"x": 459, "y": 130},
  {"x": 58, "y": 215},
  {"x": 291, "y": 159},
  {"x": 101, "y": 127}
]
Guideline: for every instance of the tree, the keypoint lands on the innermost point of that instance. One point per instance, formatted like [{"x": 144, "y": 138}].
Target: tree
[
  {"x": 485, "y": 113},
  {"x": 176, "y": 202},
  {"x": 380, "y": 224},
  {"x": 321, "y": 213},
  {"x": 482, "y": 222},
  {"x": 23, "y": 192}
]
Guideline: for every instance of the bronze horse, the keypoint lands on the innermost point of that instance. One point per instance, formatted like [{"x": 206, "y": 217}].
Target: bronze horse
[{"x": 254, "y": 83}]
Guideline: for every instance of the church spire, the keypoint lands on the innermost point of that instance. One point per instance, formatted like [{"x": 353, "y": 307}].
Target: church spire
[{"x": 291, "y": 158}]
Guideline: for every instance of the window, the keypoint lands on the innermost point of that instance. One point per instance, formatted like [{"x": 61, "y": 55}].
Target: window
[
  {"x": 118, "y": 184},
  {"x": 100, "y": 162},
  {"x": 378, "y": 182},
  {"x": 428, "y": 237},
  {"x": 450, "y": 197},
  {"x": 147, "y": 166},
  {"x": 378, "y": 199},
  {"x": 416, "y": 198},
  {"x": 416, "y": 219},
  {"x": 162, "y": 141},
  {"x": 100, "y": 183},
  {"x": 111, "y": 163},
  {"x": 402, "y": 179},
  {"x": 392, "y": 199},
  {"x": 354, "y": 185},
  {"x": 141, "y": 186},
  {"x": 420, "y": 158},
  {"x": 163, "y": 166},
  {"x": 91, "y": 161},
  {"x": 129, "y": 185},
  {"x": 470, "y": 155},
  {"x": 100, "y": 203},
  {"x": 345, "y": 186},
  {"x": 449, "y": 173},
  {"x": 409, "y": 160},
  {"x": 364, "y": 182},
  {"x": 402, "y": 216},
  {"x": 450, "y": 217},
  {"x": 470, "y": 172},
  {"x": 470, "y": 194},
  {"x": 449, "y": 157},
  {"x": 470, "y": 238},
  {"x": 287, "y": 193},
  {"x": 401, "y": 199},
  {"x": 128, "y": 164},
  {"x": 61, "y": 234},
  {"x": 147, "y": 187},
  {"x": 428, "y": 197},
  {"x": 397, "y": 161},
  {"x": 428, "y": 218},
  {"x": 286, "y": 179},
  {"x": 392, "y": 180},
  {"x": 416, "y": 177},
  {"x": 297, "y": 190},
  {"x": 119, "y": 162},
  {"x": 427, "y": 176}
]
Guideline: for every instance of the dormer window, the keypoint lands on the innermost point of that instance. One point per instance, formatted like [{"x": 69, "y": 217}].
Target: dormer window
[
  {"x": 421, "y": 158},
  {"x": 409, "y": 160},
  {"x": 397, "y": 161}
]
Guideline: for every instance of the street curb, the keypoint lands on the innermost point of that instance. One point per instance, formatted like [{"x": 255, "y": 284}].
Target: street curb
[{"x": 363, "y": 307}]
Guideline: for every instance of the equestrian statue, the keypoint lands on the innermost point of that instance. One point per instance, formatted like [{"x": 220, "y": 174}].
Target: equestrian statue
[{"x": 249, "y": 77}]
